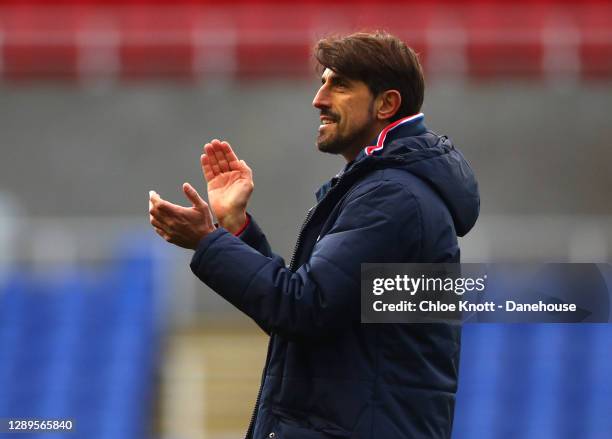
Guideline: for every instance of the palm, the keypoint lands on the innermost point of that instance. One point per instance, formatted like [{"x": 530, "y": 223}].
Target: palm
[
  {"x": 230, "y": 181},
  {"x": 229, "y": 191}
]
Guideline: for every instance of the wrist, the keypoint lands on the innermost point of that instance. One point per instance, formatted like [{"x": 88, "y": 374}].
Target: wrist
[{"x": 234, "y": 224}]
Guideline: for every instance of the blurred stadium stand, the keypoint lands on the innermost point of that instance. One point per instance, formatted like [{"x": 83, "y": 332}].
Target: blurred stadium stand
[
  {"x": 83, "y": 345},
  {"x": 534, "y": 381},
  {"x": 101, "y": 101},
  {"x": 189, "y": 40}
]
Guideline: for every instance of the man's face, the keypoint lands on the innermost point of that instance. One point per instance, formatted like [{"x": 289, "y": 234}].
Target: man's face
[{"x": 347, "y": 114}]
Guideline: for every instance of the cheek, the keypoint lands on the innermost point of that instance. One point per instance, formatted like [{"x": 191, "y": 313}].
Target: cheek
[
  {"x": 354, "y": 112},
  {"x": 357, "y": 116}
]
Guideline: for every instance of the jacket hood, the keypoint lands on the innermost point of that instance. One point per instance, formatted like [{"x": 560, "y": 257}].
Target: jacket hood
[{"x": 407, "y": 144}]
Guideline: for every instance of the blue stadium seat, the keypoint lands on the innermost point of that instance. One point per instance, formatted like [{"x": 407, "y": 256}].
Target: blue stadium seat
[{"x": 81, "y": 344}]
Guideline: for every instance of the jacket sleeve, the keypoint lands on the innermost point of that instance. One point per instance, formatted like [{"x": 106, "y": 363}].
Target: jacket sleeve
[
  {"x": 254, "y": 237},
  {"x": 381, "y": 224}
]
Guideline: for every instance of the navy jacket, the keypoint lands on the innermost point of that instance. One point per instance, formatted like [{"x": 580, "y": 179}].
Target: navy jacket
[{"x": 404, "y": 199}]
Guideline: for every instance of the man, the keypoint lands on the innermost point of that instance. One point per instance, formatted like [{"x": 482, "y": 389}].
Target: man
[{"x": 404, "y": 196}]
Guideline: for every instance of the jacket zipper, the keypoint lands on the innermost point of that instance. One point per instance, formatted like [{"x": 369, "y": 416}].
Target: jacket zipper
[
  {"x": 249, "y": 433},
  {"x": 305, "y": 223},
  {"x": 299, "y": 239},
  {"x": 251, "y": 428}
]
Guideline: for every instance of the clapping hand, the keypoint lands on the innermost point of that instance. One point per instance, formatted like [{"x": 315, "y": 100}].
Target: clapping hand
[
  {"x": 183, "y": 226},
  {"x": 230, "y": 184}
]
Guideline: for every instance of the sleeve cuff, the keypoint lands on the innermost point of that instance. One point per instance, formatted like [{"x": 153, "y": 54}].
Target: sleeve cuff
[
  {"x": 243, "y": 228},
  {"x": 207, "y": 241}
]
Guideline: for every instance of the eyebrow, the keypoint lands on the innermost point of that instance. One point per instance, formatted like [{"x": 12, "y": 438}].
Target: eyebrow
[{"x": 336, "y": 80}]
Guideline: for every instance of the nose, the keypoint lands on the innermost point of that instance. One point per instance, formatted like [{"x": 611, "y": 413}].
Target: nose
[{"x": 321, "y": 99}]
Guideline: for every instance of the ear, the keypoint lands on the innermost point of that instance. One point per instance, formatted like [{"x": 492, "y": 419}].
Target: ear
[{"x": 387, "y": 104}]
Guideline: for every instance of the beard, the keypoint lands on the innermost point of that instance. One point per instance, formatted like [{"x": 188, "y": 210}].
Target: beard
[{"x": 339, "y": 143}]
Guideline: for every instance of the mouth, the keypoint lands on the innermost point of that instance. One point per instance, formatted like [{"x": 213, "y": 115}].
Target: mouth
[{"x": 326, "y": 121}]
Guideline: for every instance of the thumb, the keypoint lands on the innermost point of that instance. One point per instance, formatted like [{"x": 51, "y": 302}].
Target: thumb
[
  {"x": 193, "y": 196},
  {"x": 249, "y": 170}
]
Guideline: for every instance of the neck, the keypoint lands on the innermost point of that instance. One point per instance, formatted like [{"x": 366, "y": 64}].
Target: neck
[{"x": 377, "y": 127}]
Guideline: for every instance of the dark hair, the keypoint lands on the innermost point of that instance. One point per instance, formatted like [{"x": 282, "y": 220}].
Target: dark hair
[{"x": 379, "y": 59}]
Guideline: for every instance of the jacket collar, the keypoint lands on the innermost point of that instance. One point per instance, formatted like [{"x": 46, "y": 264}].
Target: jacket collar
[
  {"x": 408, "y": 126},
  {"x": 405, "y": 127}
]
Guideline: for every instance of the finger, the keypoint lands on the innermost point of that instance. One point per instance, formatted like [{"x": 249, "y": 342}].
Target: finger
[
  {"x": 220, "y": 155},
  {"x": 206, "y": 168},
  {"x": 247, "y": 168},
  {"x": 161, "y": 233},
  {"x": 193, "y": 196},
  {"x": 154, "y": 199},
  {"x": 228, "y": 151},
  {"x": 230, "y": 156},
  {"x": 212, "y": 158},
  {"x": 155, "y": 222},
  {"x": 161, "y": 219},
  {"x": 165, "y": 210},
  {"x": 156, "y": 202}
]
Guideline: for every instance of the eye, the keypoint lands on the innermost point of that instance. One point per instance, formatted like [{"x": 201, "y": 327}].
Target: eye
[{"x": 341, "y": 83}]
